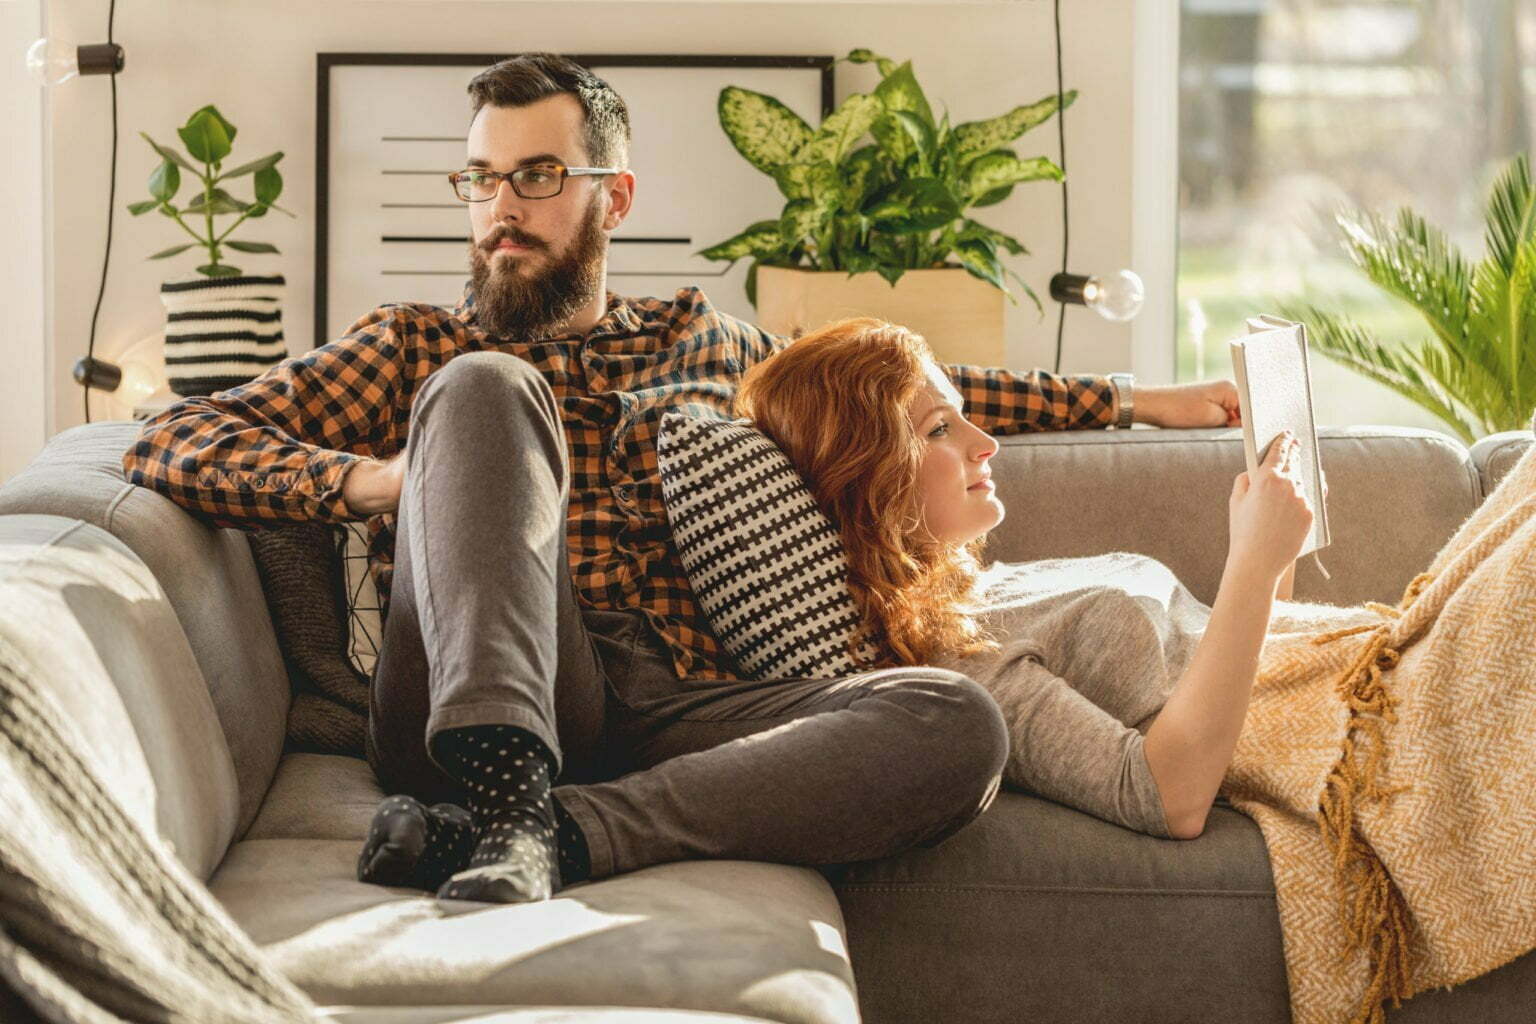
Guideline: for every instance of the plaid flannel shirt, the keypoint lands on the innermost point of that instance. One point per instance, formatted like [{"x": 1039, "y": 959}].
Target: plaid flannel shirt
[{"x": 276, "y": 450}]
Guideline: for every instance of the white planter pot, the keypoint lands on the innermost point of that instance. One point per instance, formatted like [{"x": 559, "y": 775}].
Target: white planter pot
[
  {"x": 960, "y": 316},
  {"x": 221, "y": 331}
]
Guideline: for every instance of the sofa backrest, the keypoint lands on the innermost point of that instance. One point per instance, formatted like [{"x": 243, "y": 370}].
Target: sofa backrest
[
  {"x": 1395, "y": 496},
  {"x": 88, "y": 626},
  {"x": 207, "y": 574}
]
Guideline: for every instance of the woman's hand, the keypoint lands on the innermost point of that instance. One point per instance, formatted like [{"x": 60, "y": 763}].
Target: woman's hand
[
  {"x": 1269, "y": 516},
  {"x": 372, "y": 487}
]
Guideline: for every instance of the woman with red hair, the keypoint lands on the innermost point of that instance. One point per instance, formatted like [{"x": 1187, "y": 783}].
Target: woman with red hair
[{"x": 1393, "y": 775}]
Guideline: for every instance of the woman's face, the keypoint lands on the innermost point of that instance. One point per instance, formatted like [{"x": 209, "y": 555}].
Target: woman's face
[{"x": 954, "y": 483}]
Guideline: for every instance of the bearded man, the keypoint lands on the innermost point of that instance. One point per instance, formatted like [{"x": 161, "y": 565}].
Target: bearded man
[{"x": 549, "y": 704}]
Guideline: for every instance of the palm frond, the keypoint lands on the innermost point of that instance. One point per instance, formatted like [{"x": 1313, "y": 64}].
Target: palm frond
[
  {"x": 1403, "y": 371},
  {"x": 1413, "y": 260},
  {"x": 1511, "y": 213}
]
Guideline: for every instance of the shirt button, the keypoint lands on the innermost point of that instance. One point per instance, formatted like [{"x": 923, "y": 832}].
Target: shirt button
[{"x": 626, "y": 493}]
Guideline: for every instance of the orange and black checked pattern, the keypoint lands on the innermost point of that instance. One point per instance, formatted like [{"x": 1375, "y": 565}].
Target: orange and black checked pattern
[{"x": 276, "y": 449}]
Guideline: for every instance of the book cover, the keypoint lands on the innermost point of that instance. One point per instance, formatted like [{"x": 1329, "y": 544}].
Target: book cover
[{"x": 1274, "y": 393}]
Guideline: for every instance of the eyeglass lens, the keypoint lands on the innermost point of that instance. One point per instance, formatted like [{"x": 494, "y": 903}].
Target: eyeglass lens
[{"x": 536, "y": 182}]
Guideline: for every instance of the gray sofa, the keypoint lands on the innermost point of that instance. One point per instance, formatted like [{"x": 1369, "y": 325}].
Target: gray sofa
[{"x": 1034, "y": 912}]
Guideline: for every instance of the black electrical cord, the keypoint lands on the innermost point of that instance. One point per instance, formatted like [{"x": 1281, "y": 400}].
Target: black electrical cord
[
  {"x": 111, "y": 202},
  {"x": 1061, "y": 138}
]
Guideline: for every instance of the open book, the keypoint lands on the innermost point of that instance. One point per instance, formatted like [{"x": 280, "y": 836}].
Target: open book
[{"x": 1274, "y": 393}]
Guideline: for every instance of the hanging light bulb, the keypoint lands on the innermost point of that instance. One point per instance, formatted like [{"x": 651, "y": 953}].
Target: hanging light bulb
[
  {"x": 54, "y": 61},
  {"x": 1116, "y": 296}
]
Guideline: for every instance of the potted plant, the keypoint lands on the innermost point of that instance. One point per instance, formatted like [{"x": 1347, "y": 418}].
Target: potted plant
[
  {"x": 882, "y": 228},
  {"x": 1476, "y": 370},
  {"x": 223, "y": 327}
]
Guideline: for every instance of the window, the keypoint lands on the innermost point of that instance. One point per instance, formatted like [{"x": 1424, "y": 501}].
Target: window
[{"x": 1290, "y": 108}]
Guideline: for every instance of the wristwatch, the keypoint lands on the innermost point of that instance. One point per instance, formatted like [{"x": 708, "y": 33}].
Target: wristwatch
[{"x": 1125, "y": 387}]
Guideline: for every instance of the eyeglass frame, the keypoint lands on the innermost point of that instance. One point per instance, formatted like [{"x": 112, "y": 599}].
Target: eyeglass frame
[{"x": 511, "y": 178}]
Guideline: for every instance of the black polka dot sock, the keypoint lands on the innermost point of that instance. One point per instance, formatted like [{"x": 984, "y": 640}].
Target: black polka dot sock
[
  {"x": 413, "y": 845},
  {"x": 505, "y": 771}
]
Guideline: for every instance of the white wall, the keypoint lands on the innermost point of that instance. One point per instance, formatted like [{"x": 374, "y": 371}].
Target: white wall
[
  {"x": 24, "y": 354},
  {"x": 255, "y": 60}
]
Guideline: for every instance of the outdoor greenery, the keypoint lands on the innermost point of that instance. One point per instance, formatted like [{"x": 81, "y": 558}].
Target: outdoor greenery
[
  {"x": 208, "y": 138},
  {"x": 895, "y": 204},
  {"x": 1476, "y": 371}
]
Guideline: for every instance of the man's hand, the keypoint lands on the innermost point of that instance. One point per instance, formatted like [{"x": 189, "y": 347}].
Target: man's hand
[
  {"x": 1203, "y": 403},
  {"x": 373, "y": 486}
]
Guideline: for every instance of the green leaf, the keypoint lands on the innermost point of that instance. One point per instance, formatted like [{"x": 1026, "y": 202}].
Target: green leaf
[
  {"x": 760, "y": 239},
  {"x": 143, "y": 207},
  {"x": 863, "y": 56},
  {"x": 164, "y": 182},
  {"x": 994, "y": 197},
  {"x": 253, "y": 166},
  {"x": 860, "y": 174},
  {"x": 269, "y": 185},
  {"x": 172, "y": 251},
  {"x": 251, "y": 246},
  {"x": 893, "y": 141},
  {"x": 761, "y": 128},
  {"x": 170, "y": 154},
  {"x": 257, "y": 210},
  {"x": 1511, "y": 213},
  {"x": 892, "y": 274},
  {"x": 205, "y": 136},
  {"x": 842, "y": 128},
  {"x": 921, "y": 134},
  {"x": 752, "y": 283},
  {"x": 921, "y": 204},
  {"x": 980, "y": 258},
  {"x": 974, "y": 137},
  {"x": 212, "y": 111},
  {"x": 975, "y": 229},
  {"x": 218, "y": 270},
  {"x": 899, "y": 91},
  {"x": 220, "y": 202},
  {"x": 798, "y": 221},
  {"x": 1001, "y": 169},
  {"x": 794, "y": 180}
]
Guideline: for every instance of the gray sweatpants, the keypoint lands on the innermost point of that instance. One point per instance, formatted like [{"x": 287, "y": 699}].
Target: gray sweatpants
[{"x": 484, "y": 627}]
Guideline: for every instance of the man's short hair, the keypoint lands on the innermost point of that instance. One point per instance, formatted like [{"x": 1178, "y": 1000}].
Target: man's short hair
[{"x": 530, "y": 77}]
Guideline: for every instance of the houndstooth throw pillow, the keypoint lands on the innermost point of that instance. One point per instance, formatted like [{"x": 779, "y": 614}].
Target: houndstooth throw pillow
[{"x": 765, "y": 563}]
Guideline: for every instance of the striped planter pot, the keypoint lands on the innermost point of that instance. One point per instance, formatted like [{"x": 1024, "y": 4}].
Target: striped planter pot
[{"x": 221, "y": 332}]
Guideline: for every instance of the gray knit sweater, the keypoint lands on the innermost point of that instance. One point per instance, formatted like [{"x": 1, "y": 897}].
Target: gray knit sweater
[{"x": 1091, "y": 649}]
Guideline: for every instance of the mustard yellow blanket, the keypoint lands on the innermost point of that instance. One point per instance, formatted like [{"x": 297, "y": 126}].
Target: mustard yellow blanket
[{"x": 1390, "y": 762}]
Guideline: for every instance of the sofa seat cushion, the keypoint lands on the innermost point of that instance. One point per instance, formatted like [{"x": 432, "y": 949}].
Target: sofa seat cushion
[
  {"x": 724, "y": 936},
  {"x": 1026, "y": 912}
]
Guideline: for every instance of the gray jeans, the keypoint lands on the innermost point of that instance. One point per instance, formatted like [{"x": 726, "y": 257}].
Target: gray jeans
[{"x": 484, "y": 627}]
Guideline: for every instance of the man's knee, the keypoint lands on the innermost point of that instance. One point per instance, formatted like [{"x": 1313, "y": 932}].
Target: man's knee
[
  {"x": 479, "y": 382},
  {"x": 970, "y": 748}
]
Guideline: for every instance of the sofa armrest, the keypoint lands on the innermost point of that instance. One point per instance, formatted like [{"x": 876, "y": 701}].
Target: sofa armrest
[{"x": 1396, "y": 494}]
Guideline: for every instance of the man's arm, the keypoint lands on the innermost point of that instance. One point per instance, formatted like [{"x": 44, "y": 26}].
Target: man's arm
[
  {"x": 1003, "y": 402},
  {"x": 278, "y": 449}
]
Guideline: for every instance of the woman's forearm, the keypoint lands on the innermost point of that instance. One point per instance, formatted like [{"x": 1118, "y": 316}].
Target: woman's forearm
[
  {"x": 1190, "y": 743},
  {"x": 1287, "y": 584}
]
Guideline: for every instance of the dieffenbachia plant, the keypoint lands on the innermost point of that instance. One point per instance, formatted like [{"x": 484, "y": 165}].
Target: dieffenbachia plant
[{"x": 894, "y": 204}]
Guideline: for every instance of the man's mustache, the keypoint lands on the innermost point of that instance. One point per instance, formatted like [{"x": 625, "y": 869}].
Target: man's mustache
[{"x": 514, "y": 235}]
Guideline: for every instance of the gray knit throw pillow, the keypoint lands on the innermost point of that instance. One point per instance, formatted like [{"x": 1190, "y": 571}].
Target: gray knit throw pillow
[{"x": 302, "y": 576}]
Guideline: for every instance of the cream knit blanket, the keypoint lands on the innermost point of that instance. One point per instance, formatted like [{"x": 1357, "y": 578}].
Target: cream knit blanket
[{"x": 1392, "y": 769}]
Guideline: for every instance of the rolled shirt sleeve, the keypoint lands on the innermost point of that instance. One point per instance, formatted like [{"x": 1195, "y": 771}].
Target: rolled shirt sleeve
[
  {"x": 1001, "y": 401},
  {"x": 277, "y": 449}
]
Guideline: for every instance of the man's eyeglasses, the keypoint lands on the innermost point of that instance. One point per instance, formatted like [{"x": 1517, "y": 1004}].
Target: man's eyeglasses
[{"x": 536, "y": 181}]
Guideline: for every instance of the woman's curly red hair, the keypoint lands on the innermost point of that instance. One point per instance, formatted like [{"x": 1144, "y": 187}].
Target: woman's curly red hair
[{"x": 835, "y": 401}]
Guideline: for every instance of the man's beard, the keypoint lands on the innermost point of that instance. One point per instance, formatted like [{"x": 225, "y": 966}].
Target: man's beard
[{"x": 510, "y": 302}]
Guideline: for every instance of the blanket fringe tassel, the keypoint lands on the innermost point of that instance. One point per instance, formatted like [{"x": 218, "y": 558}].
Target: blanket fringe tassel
[{"x": 1375, "y": 915}]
